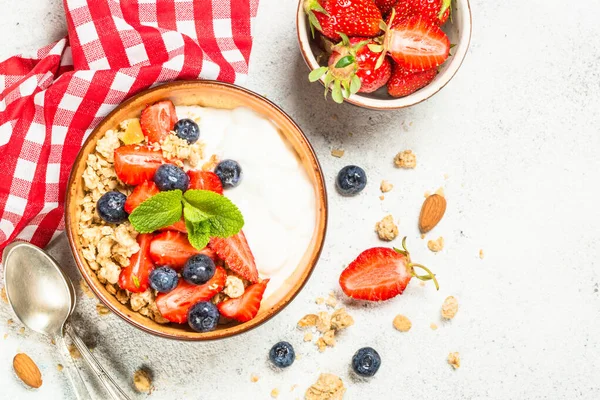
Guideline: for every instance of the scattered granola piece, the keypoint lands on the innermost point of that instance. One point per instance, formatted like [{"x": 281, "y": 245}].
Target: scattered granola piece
[
  {"x": 450, "y": 307},
  {"x": 481, "y": 255},
  {"x": 74, "y": 352},
  {"x": 386, "y": 228},
  {"x": 339, "y": 153},
  {"x": 142, "y": 381},
  {"x": 22, "y": 330},
  {"x": 10, "y": 321},
  {"x": 254, "y": 378},
  {"x": 382, "y": 197},
  {"x": 320, "y": 300},
  {"x": 59, "y": 367},
  {"x": 331, "y": 301},
  {"x": 324, "y": 322},
  {"x": 211, "y": 164},
  {"x": 275, "y": 393},
  {"x": 436, "y": 245},
  {"x": 294, "y": 386},
  {"x": 329, "y": 338},
  {"x": 3, "y": 295},
  {"x": 454, "y": 360},
  {"x": 422, "y": 236},
  {"x": 102, "y": 309},
  {"x": 433, "y": 326},
  {"x": 340, "y": 319},
  {"x": 308, "y": 320},
  {"x": 321, "y": 344},
  {"x": 327, "y": 387},
  {"x": 308, "y": 337},
  {"x": 440, "y": 191},
  {"x": 405, "y": 159},
  {"x": 402, "y": 323},
  {"x": 86, "y": 289},
  {"x": 422, "y": 284},
  {"x": 5, "y": 336},
  {"x": 385, "y": 186},
  {"x": 446, "y": 176}
]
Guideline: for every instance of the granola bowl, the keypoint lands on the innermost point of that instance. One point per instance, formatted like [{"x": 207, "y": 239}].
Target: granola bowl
[{"x": 103, "y": 251}]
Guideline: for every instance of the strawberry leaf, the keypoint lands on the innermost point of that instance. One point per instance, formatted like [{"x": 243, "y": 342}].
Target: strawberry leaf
[
  {"x": 355, "y": 84},
  {"x": 375, "y": 48},
  {"x": 336, "y": 93},
  {"x": 345, "y": 61},
  {"x": 316, "y": 74}
]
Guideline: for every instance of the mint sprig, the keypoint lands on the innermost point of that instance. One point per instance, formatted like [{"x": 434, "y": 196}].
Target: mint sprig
[{"x": 159, "y": 211}]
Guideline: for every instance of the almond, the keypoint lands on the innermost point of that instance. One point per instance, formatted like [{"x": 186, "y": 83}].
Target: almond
[
  {"x": 27, "y": 371},
  {"x": 432, "y": 212}
]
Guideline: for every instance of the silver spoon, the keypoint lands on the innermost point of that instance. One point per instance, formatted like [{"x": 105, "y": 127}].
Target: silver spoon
[{"x": 43, "y": 298}]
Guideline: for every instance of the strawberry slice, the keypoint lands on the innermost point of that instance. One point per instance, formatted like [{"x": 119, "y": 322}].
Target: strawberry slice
[
  {"x": 236, "y": 252},
  {"x": 158, "y": 120},
  {"x": 173, "y": 249},
  {"x": 174, "y": 305},
  {"x": 135, "y": 164},
  {"x": 178, "y": 226},
  {"x": 140, "y": 194},
  {"x": 135, "y": 277},
  {"x": 245, "y": 307},
  {"x": 205, "y": 180},
  {"x": 417, "y": 43}
]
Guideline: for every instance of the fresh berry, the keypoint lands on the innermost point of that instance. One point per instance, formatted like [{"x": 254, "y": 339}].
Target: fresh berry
[
  {"x": 178, "y": 226},
  {"x": 136, "y": 164},
  {"x": 174, "y": 305},
  {"x": 136, "y": 276},
  {"x": 282, "y": 354},
  {"x": 366, "y": 361},
  {"x": 163, "y": 279},
  {"x": 245, "y": 307},
  {"x": 380, "y": 273},
  {"x": 140, "y": 194},
  {"x": 158, "y": 120},
  {"x": 236, "y": 252},
  {"x": 351, "y": 17},
  {"x": 351, "y": 180},
  {"x": 171, "y": 177},
  {"x": 205, "y": 180},
  {"x": 173, "y": 249},
  {"x": 111, "y": 207},
  {"x": 416, "y": 43},
  {"x": 133, "y": 133},
  {"x": 187, "y": 129},
  {"x": 434, "y": 10},
  {"x": 203, "y": 316},
  {"x": 229, "y": 172},
  {"x": 404, "y": 82},
  {"x": 385, "y": 6},
  {"x": 198, "y": 269}
]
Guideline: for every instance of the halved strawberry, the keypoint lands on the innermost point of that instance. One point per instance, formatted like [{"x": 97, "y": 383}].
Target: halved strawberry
[
  {"x": 236, "y": 252},
  {"x": 135, "y": 277},
  {"x": 245, "y": 307},
  {"x": 205, "y": 180},
  {"x": 178, "y": 226},
  {"x": 141, "y": 193},
  {"x": 173, "y": 249},
  {"x": 135, "y": 164},
  {"x": 158, "y": 120},
  {"x": 174, "y": 305},
  {"x": 404, "y": 82}
]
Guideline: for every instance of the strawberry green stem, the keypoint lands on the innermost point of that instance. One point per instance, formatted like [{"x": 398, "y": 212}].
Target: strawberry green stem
[{"x": 430, "y": 275}]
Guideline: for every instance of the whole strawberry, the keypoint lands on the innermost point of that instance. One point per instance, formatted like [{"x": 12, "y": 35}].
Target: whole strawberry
[
  {"x": 351, "y": 17},
  {"x": 435, "y": 10},
  {"x": 404, "y": 82},
  {"x": 385, "y": 6},
  {"x": 351, "y": 69}
]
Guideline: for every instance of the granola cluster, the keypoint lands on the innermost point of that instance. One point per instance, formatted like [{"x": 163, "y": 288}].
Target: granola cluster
[
  {"x": 327, "y": 387},
  {"x": 326, "y": 324}
]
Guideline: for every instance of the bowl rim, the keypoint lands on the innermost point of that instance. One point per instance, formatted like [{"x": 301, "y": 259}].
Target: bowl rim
[
  {"x": 321, "y": 197},
  {"x": 419, "y": 96}
]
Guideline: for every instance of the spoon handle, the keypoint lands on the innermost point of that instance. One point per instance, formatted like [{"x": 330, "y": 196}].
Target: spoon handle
[
  {"x": 79, "y": 389},
  {"x": 110, "y": 385}
]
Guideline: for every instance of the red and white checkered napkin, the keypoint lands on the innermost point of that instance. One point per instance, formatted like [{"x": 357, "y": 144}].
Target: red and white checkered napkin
[{"x": 50, "y": 102}]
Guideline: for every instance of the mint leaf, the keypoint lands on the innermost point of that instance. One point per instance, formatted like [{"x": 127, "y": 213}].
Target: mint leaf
[
  {"x": 192, "y": 214},
  {"x": 198, "y": 233},
  {"x": 223, "y": 217},
  {"x": 160, "y": 210}
]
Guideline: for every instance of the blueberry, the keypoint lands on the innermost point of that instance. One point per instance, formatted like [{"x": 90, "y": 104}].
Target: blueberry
[
  {"x": 163, "y": 279},
  {"x": 366, "y": 361},
  {"x": 203, "y": 316},
  {"x": 111, "y": 207},
  {"x": 187, "y": 129},
  {"x": 351, "y": 180},
  {"x": 229, "y": 172},
  {"x": 198, "y": 269},
  {"x": 282, "y": 354},
  {"x": 171, "y": 177}
]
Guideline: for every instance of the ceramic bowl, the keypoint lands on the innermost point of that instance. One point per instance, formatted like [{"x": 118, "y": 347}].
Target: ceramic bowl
[
  {"x": 458, "y": 31},
  {"x": 217, "y": 95}
]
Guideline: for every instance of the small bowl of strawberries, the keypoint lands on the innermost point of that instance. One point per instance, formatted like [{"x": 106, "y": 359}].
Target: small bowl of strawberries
[{"x": 383, "y": 54}]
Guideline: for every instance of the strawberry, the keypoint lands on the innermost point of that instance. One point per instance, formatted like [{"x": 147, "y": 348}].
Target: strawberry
[
  {"x": 140, "y": 194},
  {"x": 174, "y": 305},
  {"x": 235, "y": 251},
  {"x": 404, "y": 82},
  {"x": 158, "y": 120},
  {"x": 205, "y": 180},
  {"x": 435, "y": 10},
  {"x": 135, "y": 277},
  {"x": 352, "y": 17},
  {"x": 385, "y": 6},
  {"x": 352, "y": 69},
  {"x": 381, "y": 273},
  {"x": 178, "y": 226},
  {"x": 173, "y": 249},
  {"x": 136, "y": 164},
  {"x": 245, "y": 307}
]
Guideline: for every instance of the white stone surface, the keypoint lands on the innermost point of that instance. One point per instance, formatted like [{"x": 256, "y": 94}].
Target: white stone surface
[{"x": 517, "y": 133}]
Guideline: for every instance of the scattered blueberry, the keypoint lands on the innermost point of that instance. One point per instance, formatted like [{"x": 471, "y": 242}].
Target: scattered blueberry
[
  {"x": 198, "y": 269},
  {"x": 171, "y": 177},
  {"x": 163, "y": 279},
  {"x": 229, "y": 172},
  {"x": 351, "y": 180},
  {"x": 282, "y": 354},
  {"x": 187, "y": 129},
  {"x": 203, "y": 316},
  {"x": 111, "y": 207},
  {"x": 366, "y": 361}
]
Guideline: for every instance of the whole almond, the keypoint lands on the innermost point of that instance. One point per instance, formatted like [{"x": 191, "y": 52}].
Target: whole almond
[
  {"x": 27, "y": 371},
  {"x": 432, "y": 212}
]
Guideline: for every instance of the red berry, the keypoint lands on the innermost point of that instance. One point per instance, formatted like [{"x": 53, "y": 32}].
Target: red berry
[
  {"x": 245, "y": 307},
  {"x": 173, "y": 249},
  {"x": 158, "y": 120},
  {"x": 140, "y": 194},
  {"x": 205, "y": 180},
  {"x": 135, "y": 277},
  {"x": 236, "y": 252},
  {"x": 351, "y": 17},
  {"x": 404, "y": 82},
  {"x": 385, "y": 6},
  {"x": 135, "y": 164}
]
